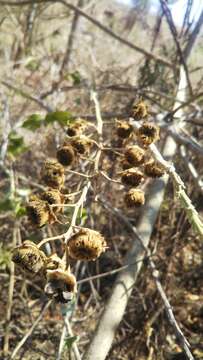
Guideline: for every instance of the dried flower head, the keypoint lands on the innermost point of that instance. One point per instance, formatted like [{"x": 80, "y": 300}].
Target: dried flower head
[
  {"x": 54, "y": 262},
  {"x": 124, "y": 129},
  {"x": 132, "y": 177},
  {"x": 134, "y": 198},
  {"x": 29, "y": 257},
  {"x": 86, "y": 244},
  {"x": 76, "y": 128},
  {"x": 81, "y": 144},
  {"x": 134, "y": 155},
  {"x": 53, "y": 196},
  {"x": 153, "y": 169},
  {"x": 61, "y": 285},
  {"x": 66, "y": 155},
  {"x": 148, "y": 133},
  {"x": 38, "y": 212},
  {"x": 53, "y": 174},
  {"x": 139, "y": 110}
]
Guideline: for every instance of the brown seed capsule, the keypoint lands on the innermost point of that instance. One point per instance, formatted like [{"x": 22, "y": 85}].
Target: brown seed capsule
[
  {"x": 124, "y": 129},
  {"x": 53, "y": 174},
  {"x": 29, "y": 257},
  {"x": 139, "y": 110},
  {"x": 65, "y": 155},
  {"x": 76, "y": 128},
  {"x": 134, "y": 198},
  {"x": 81, "y": 144},
  {"x": 153, "y": 169},
  {"x": 38, "y": 212},
  {"x": 148, "y": 133},
  {"x": 86, "y": 244},
  {"x": 135, "y": 155},
  {"x": 61, "y": 285},
  {"x": 53, "y": 196},
  {"x": 132, "y": 177}
]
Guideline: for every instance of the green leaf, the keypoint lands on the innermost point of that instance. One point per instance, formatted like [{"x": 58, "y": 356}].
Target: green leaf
[
  {"x": 20, "y": 211},
  {"x": 16, "y": 145},
  {"x": 70, "y": 341},
  {"x": 6, "y": 204},
  {"x": 76, "y": 77},
  {"x": 33, "y": 122},
  {"x": 62, "y": 117}
]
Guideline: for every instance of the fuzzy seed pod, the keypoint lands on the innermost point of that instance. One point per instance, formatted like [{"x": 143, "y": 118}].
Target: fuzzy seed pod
[
  {"x": 124, "y": 129},
  {"x": 81, "y": 144},
  {"x": 132, "y": 177},
  {"x": 53, "y": 196},
  {"x": 135, "y": 155},
  {"x": 153, "y": 169},
  {"x": 61, "y": 285},
  {"x": 53, "y": 174},
  {"x": 134, "y": 198},
  {"x": 148, "y": 133},
  {"x": 76, "y": 128},
  {"x": 65, "y": 155},
  {"x": 38, "y": 212},
  {"x": 29, "y": 257},
  {"x": 86, "y": 244},
  {"x": 139, "y": 110}
]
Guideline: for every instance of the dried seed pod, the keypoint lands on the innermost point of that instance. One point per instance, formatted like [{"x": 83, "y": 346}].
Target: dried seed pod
[
  {"x": 139, "y": 110},
  {"x": 54, "y": 262},
  {"x": 81, "y": 144},
  {"x": 29, "y": 257},
  {"x": 148, "y": 133},
  {"x": 153, "y": 169},
  {"x": 53, "y": 174},
  {"x": 38, "y": 212},
  {"x": 135, "y": 155},
  {"x": 76, "y": 128},
  {"x": 124, "y": 129},
  {"x": 86, "y": 244},
  {"x": 132, "y": 177},
  {"x": 61, "y": 285},
  {"x": 134, "y": 198},
  {"x": 65, "y": 155},
  {"x": 53, "y": 196}
]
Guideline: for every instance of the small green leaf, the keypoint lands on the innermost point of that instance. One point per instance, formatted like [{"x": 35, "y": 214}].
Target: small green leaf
[
  {"x": 62, "y": 117},
  {"x": 70, "y": 341},
  {"x": 33, "y": 122},
  {"x": 16, "y": 145},
  {"x": 6, "y": 204},
  {"x": 20, "y": 211},
  {"x": 76, "y": 77}
]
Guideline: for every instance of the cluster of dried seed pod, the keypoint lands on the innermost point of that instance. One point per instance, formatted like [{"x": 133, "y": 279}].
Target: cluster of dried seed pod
[
  {"x": 60, "y": 284},
  {"x": 137, "y": 162},
  {"x": 42, "y": 208},
  {"x": 75, "y": 145}
]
